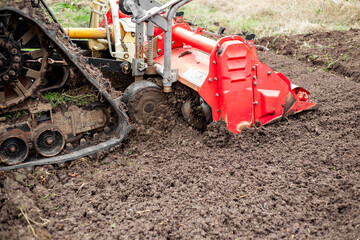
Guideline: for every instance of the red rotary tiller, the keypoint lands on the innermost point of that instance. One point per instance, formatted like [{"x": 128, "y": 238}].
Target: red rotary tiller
[{"x": 226, "y": 73}]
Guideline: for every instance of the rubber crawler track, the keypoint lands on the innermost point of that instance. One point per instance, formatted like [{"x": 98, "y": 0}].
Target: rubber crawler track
[{"x": 119, "y": 132}]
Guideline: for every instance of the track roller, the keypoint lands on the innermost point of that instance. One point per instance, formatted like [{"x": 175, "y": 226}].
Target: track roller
[
  {"x": 13, "y": 150},
  {"x": 49, "y": 141},
  {"x": 145, "y": 102}
]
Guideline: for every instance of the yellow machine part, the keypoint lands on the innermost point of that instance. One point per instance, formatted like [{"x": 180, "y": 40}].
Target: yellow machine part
[{"x": 86, "y": 33}]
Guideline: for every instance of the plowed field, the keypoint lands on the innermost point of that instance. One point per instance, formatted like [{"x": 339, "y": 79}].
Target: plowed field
[{"x": 295, "y": 179}]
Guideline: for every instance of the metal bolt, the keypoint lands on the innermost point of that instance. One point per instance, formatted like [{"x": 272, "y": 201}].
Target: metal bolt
[
  {"x": 49, "y": 141},
  {"x": 250, "y": 44},
  {"x": 254, "y": 77},
  {"x": 15, "y": 66},
  {"x": 159, "y": 50},
  {"x": 14, "y": 51},
  {"x": 218, "y": 110},
  {"x": 9, "y": 46},
  {"x": 160, "y": 37},
  {"x": 216, "y": 78},
  {"x": 179, "y": 20},
  {"x": 17, "y": 59},
  {"x": 218, "y": 45},
  {"x": 12, "y": 149},
  {"x": 255, "y": 83},
  {"x": 217, "y": 95},
  {"x": 6, "y": 78},
  {"x": 12, "y": 73},
  {"x": 133, "y": 34},
  {"x": 269, "y": 73},
  {"x": 256, "y": 103},
  {"x": 232, "y": 37},
  {"x": 173, "y": 42},
  {"x": 214, "y": 62},
  {"x": 254, "y": 67},
  {"x": 210, "y": 79}
]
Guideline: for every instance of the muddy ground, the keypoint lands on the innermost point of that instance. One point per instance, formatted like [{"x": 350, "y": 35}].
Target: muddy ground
[{"x": 296, "y": 179}]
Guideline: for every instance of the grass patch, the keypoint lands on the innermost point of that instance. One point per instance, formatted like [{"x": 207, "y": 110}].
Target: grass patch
[
  {"x": 57, "y": 98},
  {"x": 72, "y": 14},
  {"x": 263, "y": 17},
  {"x": 275, "y": 17}
]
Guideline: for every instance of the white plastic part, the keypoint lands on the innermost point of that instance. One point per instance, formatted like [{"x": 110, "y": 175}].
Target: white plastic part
[
  {"x": 117, "y": 33},
  {"x": 128, "y": 25}
]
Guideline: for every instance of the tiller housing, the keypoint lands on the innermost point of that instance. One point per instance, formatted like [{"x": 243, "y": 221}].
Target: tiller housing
[{"x": 226, "y": 73}]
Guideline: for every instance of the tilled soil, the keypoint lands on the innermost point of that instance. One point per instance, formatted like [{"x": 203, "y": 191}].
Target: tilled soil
[
  {"x": 296, "y": 179},
  {"x": 336, "y": 51}
]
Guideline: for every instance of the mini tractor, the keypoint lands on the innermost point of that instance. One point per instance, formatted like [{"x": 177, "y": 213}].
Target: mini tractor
[{"x": 142, "y": 40}]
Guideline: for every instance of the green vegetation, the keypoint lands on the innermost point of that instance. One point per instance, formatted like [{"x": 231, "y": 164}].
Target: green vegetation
[
  {"x": 72, "y": 14},
  {"x": 270, "y": 17},
  {"x": 331, "y": 62},
  {"x": 263, "y": 17},
  {"x": 57, "y": 98},
  {"x": 16, "y": 114}
]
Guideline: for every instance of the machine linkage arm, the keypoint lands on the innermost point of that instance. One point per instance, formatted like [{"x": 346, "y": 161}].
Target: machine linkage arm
[{"x": 145, "y": 11}]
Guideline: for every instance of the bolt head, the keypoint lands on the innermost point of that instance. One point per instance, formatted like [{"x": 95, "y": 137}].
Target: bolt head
[
  {"x": 214, "y": 62},
  {"x": 215, "y": 78},
  {"x": 15, "y": 66},
  {"x": 14, "y": 51},
  {"x": 269, "y": 73},
  {"x": 218, "y": 45},
  {"x": 12, "y": 149},
  {"x": 17, "y": 59},
  {"x": 49, "y": 141},
  {"x": 254, "y": 77},
  {"x": 255, "y": 83},
  {"x": 254, "y": 67},
  {"x": 159, "y": 50},
  {"x": 217, "y": 95},
  {"x": 6, "y": 78},
  {"x": 210, "y": 80},
  {"x": 12, "y": 73},
  {"x": 8, "y": 46}
]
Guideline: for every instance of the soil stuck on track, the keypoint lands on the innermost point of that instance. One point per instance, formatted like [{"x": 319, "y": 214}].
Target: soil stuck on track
[{"x": 296, "y": 179}]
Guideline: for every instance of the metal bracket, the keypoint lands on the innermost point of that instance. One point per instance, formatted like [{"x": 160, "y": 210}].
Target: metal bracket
[
  {"x": 139, "y": 67},
  {"x": 144, "y": 11}
]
